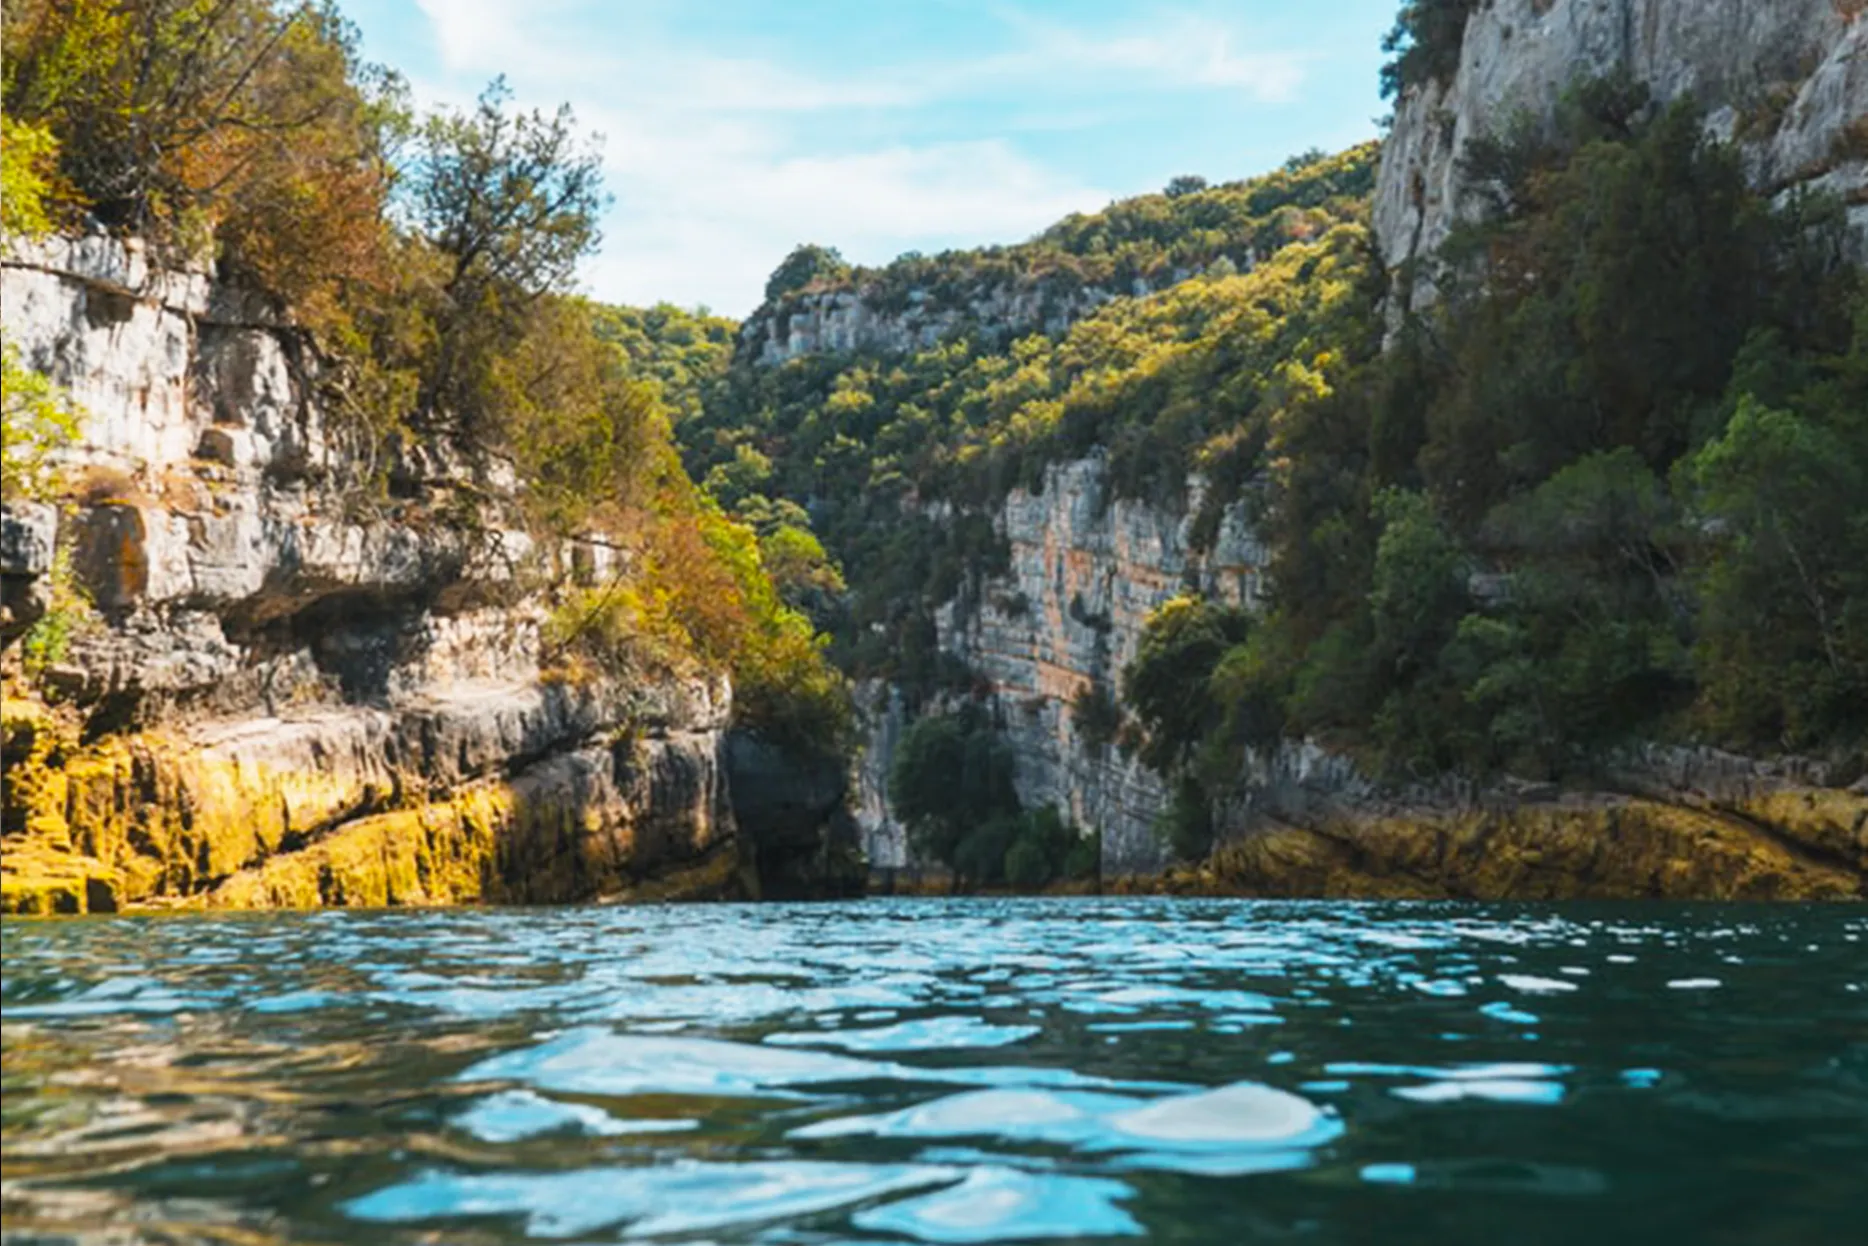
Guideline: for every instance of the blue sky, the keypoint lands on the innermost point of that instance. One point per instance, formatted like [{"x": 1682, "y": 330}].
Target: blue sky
[{"x": 734, "y": 129}]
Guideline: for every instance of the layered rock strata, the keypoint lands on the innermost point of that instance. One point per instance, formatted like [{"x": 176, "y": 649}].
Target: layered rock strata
[
  {"x": 298, "y": 687},
  {"x": 842, "y": 320},
  {"x": 1086, "y": 569}
]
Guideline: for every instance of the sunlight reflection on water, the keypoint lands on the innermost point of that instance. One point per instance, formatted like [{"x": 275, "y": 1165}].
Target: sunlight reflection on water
[{"x": 940, "y": 1071}]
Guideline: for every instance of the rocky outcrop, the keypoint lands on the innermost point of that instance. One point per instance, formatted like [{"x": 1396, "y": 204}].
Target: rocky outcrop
[
  {"x": 1787, "y": 79},
  {"x": 840, "y": 320},
  {"x": 807, "y": 845},
  {"x": 28, "y": 536},
  {"x": 298, "y": 687},
  {"x": 1087, "y": 567}
]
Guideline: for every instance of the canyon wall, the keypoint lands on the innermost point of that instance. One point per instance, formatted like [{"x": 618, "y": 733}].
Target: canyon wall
[
  {"x": 1787, "y": 79},
  {"x": 310, "y": 674},
  {"x": 1086, "y": 569}
]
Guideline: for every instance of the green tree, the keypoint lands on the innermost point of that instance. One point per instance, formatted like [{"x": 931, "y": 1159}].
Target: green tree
[
  {"x": 951, "y": 783},
  {"x": 808, "y": 263},
  {"x": 511, "y": 200},
  {"x": 1417, "y": 596},
  {"x": 40, "y": 419},
  {"x": 1168, "y": 684},
  {"x": 1586, "y": 642},
  {"x": 1426, "y": 42},
  {"x": 28, "y": 154},
  {"x": 1783, "y": 497}
]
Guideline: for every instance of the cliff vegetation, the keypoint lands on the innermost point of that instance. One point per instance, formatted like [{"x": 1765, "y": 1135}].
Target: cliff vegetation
[{"x": 1607, "y": 488}]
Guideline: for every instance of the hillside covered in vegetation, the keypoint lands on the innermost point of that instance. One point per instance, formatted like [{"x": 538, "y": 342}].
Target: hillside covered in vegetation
[{"x": 1608, "y": 488}]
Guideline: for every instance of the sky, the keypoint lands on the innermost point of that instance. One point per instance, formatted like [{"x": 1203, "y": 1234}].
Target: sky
[{"x": 732, "y": 130}]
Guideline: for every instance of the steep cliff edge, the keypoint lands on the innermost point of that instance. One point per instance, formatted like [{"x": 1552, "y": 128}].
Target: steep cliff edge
[
  {"x": 297, "y": 689},
  {"x": 1086, "y": 568},
  {"x": 1788, "y": 80}
]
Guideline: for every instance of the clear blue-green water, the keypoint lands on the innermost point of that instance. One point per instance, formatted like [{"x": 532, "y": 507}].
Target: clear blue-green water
[{"x": 934, "y": 1071}]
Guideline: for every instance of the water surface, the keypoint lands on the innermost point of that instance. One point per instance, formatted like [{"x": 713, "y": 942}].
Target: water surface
[{"x": 944, "y": 1072}]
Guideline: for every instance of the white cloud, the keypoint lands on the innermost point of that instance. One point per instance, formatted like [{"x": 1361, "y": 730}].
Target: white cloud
[
  {"x": 1185, "y": 51},
  {"x": 718, "y": 164},
  {"x": 707, "y": 221}
]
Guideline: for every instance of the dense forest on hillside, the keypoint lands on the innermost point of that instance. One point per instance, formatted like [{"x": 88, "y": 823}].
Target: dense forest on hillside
[
  {"x": 428, "y": 264},
  {"x": 1130, "y": 247},
  {"x": 897, "y": 458},
  {"x": 1612, "y": 486}
]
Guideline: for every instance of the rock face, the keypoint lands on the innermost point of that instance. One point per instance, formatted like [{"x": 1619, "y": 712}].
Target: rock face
[
  {"x": 298, "y": 691},
  {"x": 1086, "y": 569},
  {"x": 845, "y": 320},
  {"x": 1787, "y": 78}
]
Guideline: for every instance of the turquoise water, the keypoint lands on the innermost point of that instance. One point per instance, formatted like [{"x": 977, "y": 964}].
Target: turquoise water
[{"x": 933, "y": 1071}]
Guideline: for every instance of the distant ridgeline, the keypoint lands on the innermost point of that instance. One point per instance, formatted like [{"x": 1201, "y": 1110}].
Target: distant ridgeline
[
  {"x": 898, "y": 455},
  {"x": 816, "y": 302},
  {"x": 1608, "y": 488}
]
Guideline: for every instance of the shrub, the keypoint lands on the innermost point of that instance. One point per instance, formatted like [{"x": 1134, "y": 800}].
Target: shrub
[
  {"x": 1426, "y": 41},
  {"x": 39, "y": 421},
  {"x": 1095, "y": 715},
  {"x": 951, "y": 776},
  {"x": 807, "y": 264},
  {"x": 69, "y": 615},
  {"x": 1187, "y": 822}
]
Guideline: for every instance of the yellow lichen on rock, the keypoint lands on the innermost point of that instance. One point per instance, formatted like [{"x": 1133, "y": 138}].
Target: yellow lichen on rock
[
  {"x": 1607, "y": 849},
  {"x": 440, "y": 853},
  {"x": 1830, "y": 822},
  {"x": 174, "y": 816}
]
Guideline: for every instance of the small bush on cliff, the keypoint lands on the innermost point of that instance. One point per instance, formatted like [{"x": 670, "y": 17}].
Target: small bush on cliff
[
  {"x": 1426, "y": 41},
  {"x": 807, "y": 265},
  {"x": 28, "y": 160},
  {"x": 69, "y": 614},
  {"x": 39, "y": 420}
]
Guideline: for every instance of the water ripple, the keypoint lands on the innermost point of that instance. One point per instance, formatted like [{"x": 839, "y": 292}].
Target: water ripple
[{"x": 938, "y": 1071}]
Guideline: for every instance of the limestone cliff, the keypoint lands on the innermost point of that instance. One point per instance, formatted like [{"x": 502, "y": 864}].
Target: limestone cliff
[
  {"x": 299, "y": 688},
  {"x": 1787, "y": 79},
  {"x": 1087, "y": 568},
  {"x": 842, "y": 320}
]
